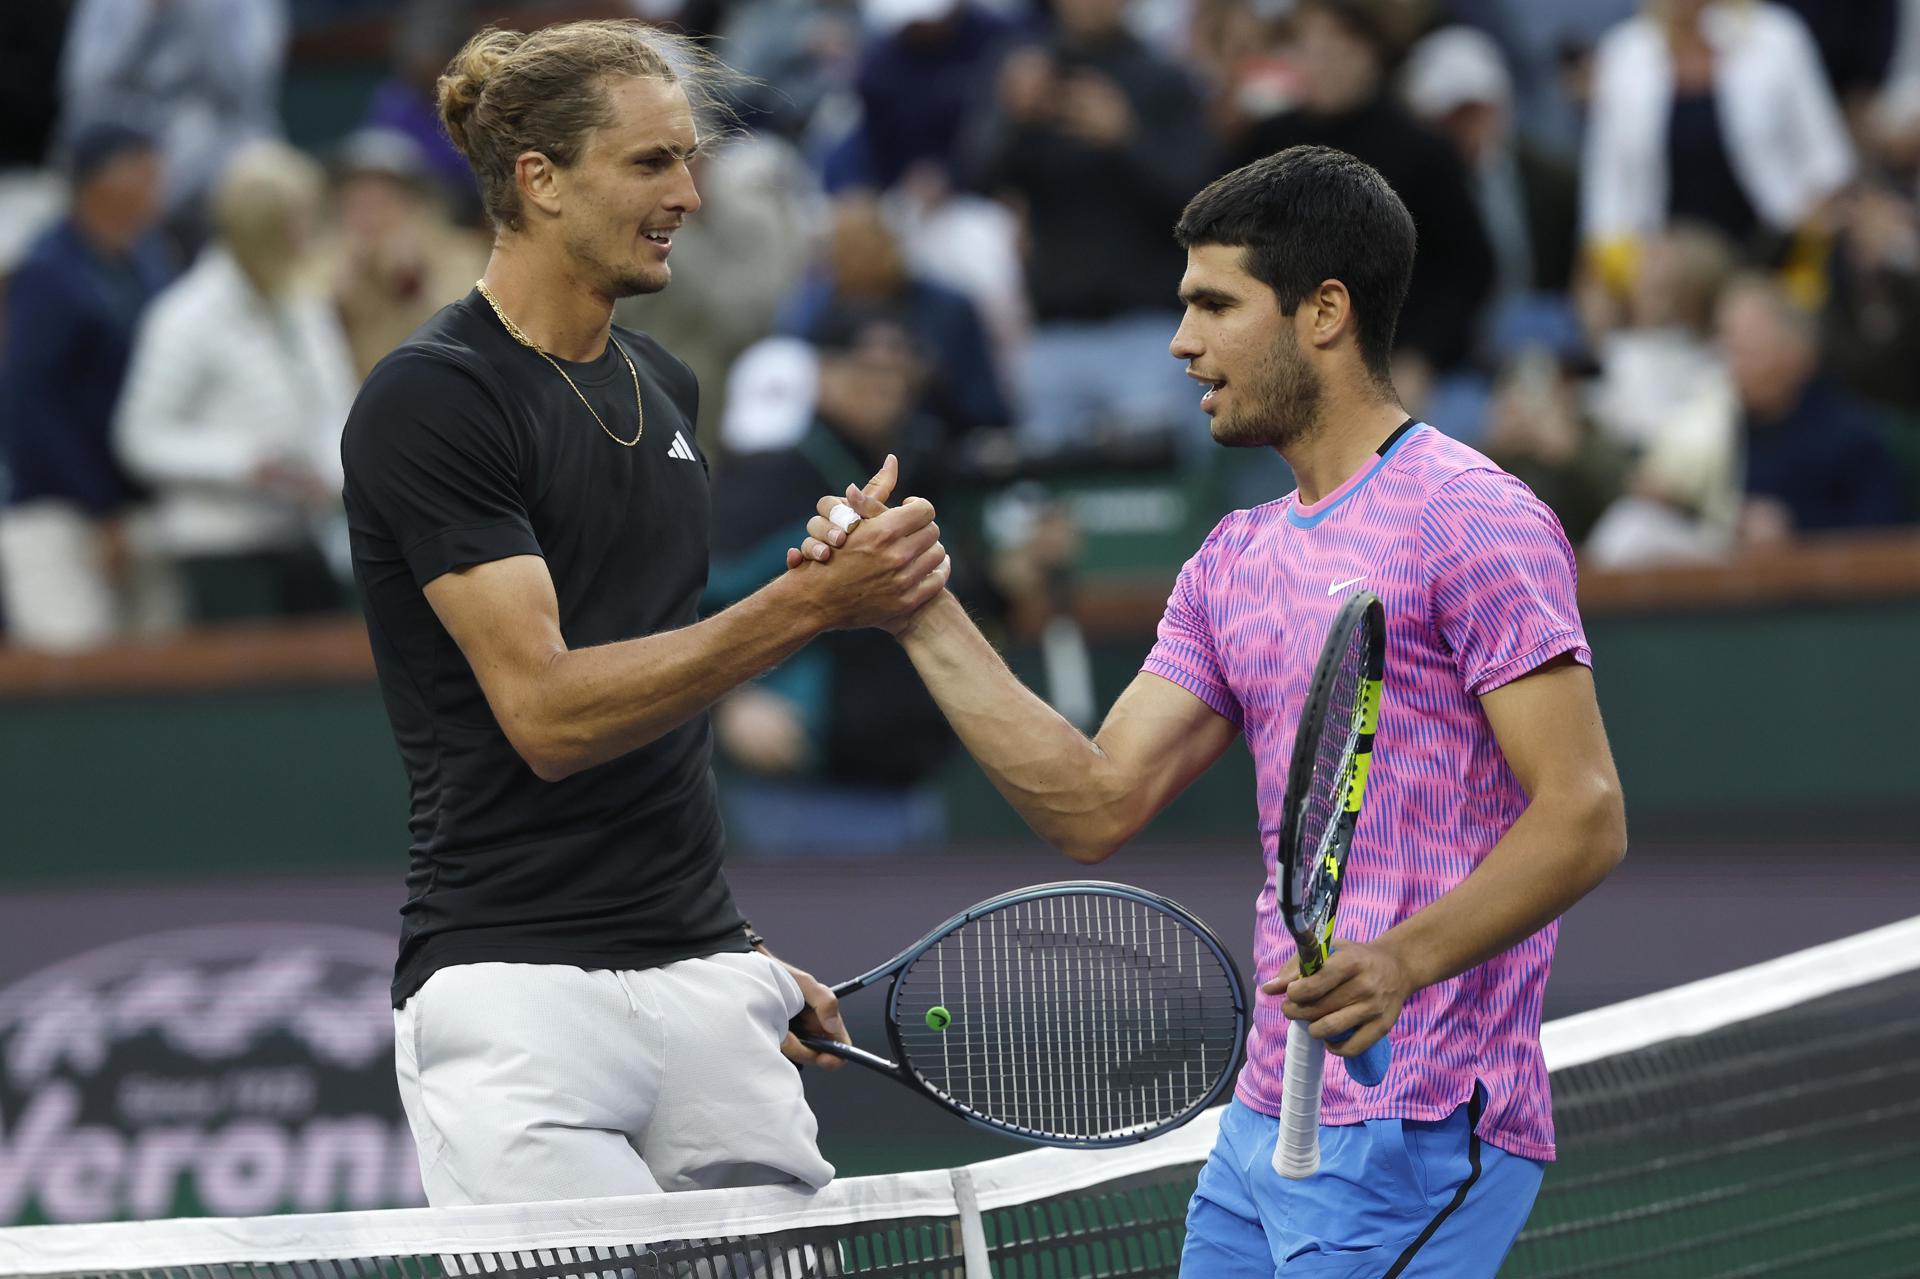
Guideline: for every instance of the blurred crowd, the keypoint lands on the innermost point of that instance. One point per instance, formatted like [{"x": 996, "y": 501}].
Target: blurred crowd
[{"x": 1669, "y": 271}]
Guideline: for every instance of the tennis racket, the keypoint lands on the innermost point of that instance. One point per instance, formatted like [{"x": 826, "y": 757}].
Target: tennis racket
[
  {"x": 1326, "y": 780},
  {"x": 1076, "y": 1014}
]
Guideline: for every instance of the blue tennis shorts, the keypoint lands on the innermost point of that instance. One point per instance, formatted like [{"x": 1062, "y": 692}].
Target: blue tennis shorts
[{"x": 1393, "y": 1199}]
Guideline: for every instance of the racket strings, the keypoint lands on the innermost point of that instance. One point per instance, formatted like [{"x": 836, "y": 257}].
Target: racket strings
[
  {"x": 1071, "y": 1016},
  {"x": 1316, "y": 873}
]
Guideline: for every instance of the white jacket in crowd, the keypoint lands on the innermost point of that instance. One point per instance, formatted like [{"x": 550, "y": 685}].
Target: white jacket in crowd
[
  {"x": 1786, "y": 140},
  {"x": 224, "y": 382}
]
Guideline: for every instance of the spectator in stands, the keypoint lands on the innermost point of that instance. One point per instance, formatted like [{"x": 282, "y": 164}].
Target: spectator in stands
[
  {"x": 797, "y": 55},
  {"x": 1710, "y": 112},
  {"x": 1872, "y": 318},
  {"x": 426, "y": 34},
  {"x": 240, "y": 384},
  {"x": 1656, "y": 349},
  {"x": 924, "y": 67},
  {"x": 1343, "y": 50},
  {"x": 1458, "y": 84},
  {"x": 734, "y": 262},
  {"x": 70, "y": 559},
  {"x": 204, "y": 74},
  {"x": 840, "y": 742},
  {"x": 1500, "y": 20},
  {"x": 864, "y": 273},
  {"x": 1233, "y": 49},
  {"x": 1816, "y": 459},
  {"x": 1536, "y": 431},
  {"x": 399, "y": 258},
  {"x": 972, "y": 244},
  {"x": 1099, "y": 141},
  {"x": 1665, "y": 395}
]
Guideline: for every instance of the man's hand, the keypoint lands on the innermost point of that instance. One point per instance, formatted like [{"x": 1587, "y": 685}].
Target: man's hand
[
  {"x": 820, "y": 1019},
  {"x": 894, "y": 568},
  {"x": 870, "y": 500},
  {"x": 1360, "y": 988}
]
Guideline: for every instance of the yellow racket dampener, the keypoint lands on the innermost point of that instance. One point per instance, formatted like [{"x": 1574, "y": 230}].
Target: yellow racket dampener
[{"x": 938, "y": 1018}]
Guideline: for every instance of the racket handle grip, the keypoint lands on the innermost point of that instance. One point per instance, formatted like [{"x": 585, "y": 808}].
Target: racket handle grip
[
  {"x": 1370, "y": 1067},
  {"x": 1296, "y": 1151}
]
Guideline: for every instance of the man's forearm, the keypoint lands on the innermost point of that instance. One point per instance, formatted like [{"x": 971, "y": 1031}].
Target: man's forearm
[
  {"x": 1558, "y": 851},
  {"x": 596, "y": 704},
  {"x": 1057, "y": 779}
]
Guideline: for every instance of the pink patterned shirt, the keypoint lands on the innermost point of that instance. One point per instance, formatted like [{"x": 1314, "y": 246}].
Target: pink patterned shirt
[{"x": 1478, "y": 584}]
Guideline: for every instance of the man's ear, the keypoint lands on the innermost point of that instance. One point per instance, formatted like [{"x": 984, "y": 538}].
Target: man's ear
[
  {"x": 539, "y": 181},
  {"x": 1327, "y": 313}
]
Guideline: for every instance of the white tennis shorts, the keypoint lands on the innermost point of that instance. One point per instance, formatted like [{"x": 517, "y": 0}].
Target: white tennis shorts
[{"x": 528, "y": 1082}]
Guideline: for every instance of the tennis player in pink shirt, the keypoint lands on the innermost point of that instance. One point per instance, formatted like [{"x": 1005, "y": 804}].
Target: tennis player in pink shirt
[{"x": 1493, "y": 805}]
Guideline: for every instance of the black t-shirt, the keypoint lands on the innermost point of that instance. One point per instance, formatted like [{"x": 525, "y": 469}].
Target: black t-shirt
[{"x": 465, "y": 447}]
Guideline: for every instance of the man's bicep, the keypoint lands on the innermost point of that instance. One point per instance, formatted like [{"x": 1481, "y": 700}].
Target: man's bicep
[
  {"x": 1161, "y": 737},
  {"x": 1547, "y": 723},
  {"x": 505, "y": 617}
]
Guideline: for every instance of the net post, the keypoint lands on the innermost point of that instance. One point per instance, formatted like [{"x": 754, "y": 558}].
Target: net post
[{"x": 973, "y": 1230}]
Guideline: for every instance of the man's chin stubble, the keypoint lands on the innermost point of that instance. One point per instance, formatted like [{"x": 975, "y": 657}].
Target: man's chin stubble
[
  {"x": 1232, "y": 435},
  {"x": 637, "y": 286}
]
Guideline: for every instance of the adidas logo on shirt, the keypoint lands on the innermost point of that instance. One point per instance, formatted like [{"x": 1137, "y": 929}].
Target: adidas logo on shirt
[{"x": 681, "y": 449}]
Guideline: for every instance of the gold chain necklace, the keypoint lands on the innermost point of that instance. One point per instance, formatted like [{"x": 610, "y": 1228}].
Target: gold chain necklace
[{"x": 513, "y": 331}]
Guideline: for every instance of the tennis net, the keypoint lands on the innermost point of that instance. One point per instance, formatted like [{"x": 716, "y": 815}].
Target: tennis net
[{"x": 1766, "y": 1122}]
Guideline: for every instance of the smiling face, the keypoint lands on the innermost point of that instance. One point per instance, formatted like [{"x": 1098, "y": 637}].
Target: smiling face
[
  {"x": 620, "y": 203},
  {"x": 1261, "y": 391}
]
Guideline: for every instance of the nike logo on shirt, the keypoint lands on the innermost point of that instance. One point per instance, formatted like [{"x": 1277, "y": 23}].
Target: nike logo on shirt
[{"x": 1337, "y": 587}]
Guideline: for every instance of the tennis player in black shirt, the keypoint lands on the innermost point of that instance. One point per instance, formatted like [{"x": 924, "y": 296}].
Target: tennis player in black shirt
[{"x": 580, "y": 1010}]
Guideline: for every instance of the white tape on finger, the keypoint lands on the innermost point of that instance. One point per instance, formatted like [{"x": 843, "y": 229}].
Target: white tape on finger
[{"x": 844, "y": 517}]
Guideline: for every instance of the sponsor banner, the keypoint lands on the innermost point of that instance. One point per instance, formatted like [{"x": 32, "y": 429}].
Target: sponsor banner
[
  {"x": 223, "y": 1045},
  {"x": 228, "y": 1069}
]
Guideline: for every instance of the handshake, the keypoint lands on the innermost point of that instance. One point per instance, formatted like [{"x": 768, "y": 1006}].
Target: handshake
[{"x": 865, "y": 564}]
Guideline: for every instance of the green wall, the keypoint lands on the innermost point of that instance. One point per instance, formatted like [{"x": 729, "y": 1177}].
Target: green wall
[
  {"x": 1742, "y": 724},
  {"x": 278, "y": 780},
  {"x": 1764, "y": 713},
  {"x": 1784, "y": 723}
]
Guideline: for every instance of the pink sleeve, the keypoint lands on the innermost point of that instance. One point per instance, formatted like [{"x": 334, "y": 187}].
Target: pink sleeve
[
  {"x": 1500, "y": 580},
  {"x": 1184, "y": 652}
]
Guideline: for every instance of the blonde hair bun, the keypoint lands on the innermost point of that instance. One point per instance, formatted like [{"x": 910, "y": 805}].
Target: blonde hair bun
[{"x": 465, "y": 79}]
